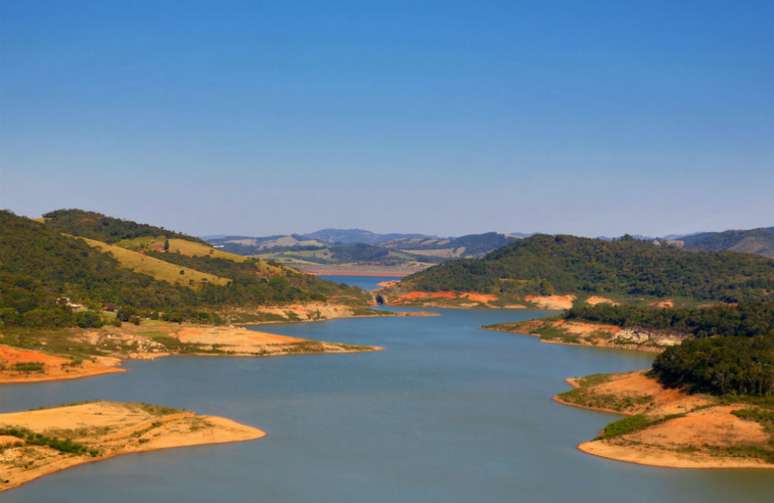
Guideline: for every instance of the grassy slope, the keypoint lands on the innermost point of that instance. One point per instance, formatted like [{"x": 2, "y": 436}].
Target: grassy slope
[
  {"x": 158, "y": 269},
  {"x": 182, "y": 246}
]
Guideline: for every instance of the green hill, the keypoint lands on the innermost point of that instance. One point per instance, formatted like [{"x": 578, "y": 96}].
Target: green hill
[
  {"x": 545, "y": 265},
  {"x": 97, "y": 226},
  {"x": 43, "y": 270}
]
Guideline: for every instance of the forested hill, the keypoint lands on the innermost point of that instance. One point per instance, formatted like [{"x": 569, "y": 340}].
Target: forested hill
[
  {"x": 42, "y": 270},
  {"x": 97, "y": 226},
  {"x": 544, "y": 264}
]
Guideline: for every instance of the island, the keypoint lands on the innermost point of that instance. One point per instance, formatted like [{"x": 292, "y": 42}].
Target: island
[{"x": 40, "y": 442}]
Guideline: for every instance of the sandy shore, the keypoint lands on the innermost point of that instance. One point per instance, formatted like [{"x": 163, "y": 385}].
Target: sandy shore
[
  {"x": 598, "y": 335},
  {"x": 155, "y": 339},
  {"x": 85, "y": 433},
  {"x": 673, "y": 429},
  {"x": 29, "y": 366}
]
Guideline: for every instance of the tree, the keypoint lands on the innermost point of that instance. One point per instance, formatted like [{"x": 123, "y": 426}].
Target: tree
[{"x": 166, "y": 244}]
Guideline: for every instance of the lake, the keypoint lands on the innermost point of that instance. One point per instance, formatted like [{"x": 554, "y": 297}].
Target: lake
[{"x": 446, "y": 413}]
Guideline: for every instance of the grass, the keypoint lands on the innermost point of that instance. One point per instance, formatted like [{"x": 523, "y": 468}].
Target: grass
[
  {"x": 624, "y": 426},
  {"x": 587, "y": 398},
  {"x": 584, "y": 395},
  {"x": 192, "y": 249},
  {"x": 159, "y": 269},
  {"x": 28, "y": 367},
  {"x": 60, "y": 341},
  {"x": 631, "y": 424},
  {"x": 63, "y": 445},
  {"x": 764, "y": 417},
  {"x": 156, "y": 410},
  {"x": 555, "y": 334},
  {"x": 744, "y": 451}
]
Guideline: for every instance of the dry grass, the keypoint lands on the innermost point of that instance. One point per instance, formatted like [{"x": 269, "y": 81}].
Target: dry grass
[
  {"x": 159, "y": 269},
  {"x": 192, "y": 249}
]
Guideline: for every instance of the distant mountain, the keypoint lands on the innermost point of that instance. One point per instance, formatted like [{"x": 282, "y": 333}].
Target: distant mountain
[
  {"x": 350, "y": 236},
  {"x": 471, "y": 245},
  {"x": 357, "y": 247},
  {"x": 758, "y": 241}
]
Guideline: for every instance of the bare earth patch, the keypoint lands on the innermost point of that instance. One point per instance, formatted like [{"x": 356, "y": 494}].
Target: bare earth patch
[
  {"x": 552, "y": 302},
  {"x": 45, "y": 441},
  {"x": 101, "y": 351},
  {"x": 668, "y": 427},
  {"x": 445, "y": 299},
  {"x": 25, "y": 365},
  {"x": 581, "y": 333},
  {"x": 596, "y": 299}
]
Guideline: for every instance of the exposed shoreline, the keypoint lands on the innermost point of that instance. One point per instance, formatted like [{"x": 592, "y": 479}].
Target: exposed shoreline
[
  {"x": 678, "y": 431},
  {"x": 588, "y": 334},
  {"x": 103, "y": 351},
  {"x": 105, "y": 430}
]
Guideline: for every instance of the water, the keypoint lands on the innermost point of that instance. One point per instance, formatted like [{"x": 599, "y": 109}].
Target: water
[
  {"x": 447, "y": 413},
  {"x": 365, "y": 282}
]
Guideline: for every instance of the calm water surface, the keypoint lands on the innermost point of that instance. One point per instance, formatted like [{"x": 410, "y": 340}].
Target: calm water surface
[
  {"x": 364, "y": 282},
  {"x": 447, "y": 413}
]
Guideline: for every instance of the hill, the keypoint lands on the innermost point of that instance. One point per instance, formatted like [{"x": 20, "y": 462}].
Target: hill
[
  {"x": 90, "y": 224},
  {"x": 156, "y": 267},
  {"x": 759, "y": 241},
  {"x": 361, "y": 250},
  {"x": 548, "y": 265},
  {"x": 471, "y": 245},
  {"x": 47, "y": 278},
  {"x": 351, "y": 236}
]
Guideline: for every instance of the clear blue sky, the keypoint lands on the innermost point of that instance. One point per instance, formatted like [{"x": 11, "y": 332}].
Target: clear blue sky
[{"x": 446, "y": 117}]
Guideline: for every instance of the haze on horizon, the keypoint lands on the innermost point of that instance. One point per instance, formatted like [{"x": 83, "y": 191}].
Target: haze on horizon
[{"x": 444, "y": 118}]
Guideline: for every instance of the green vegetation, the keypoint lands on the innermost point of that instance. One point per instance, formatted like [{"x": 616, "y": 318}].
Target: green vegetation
[
  {"x": 551, "y": 333},
  {"x": 94, "y": 225},
  {"x": 719, "y": 365},
  {"x": 28, "y": 367},
  {"x": 63, "y": 445},
  {"x": 747, "y": 319},
  {"x": 764, "y": 417},
  {"x": 731, "y": 352},
  {"x": 544, "y": 265},
  {"x": 156, "y": 410},
  {"x": 583, "y": 395},
  {"x": 626, "y": 425},
  {"x": 45, "y": 275},
  {"x": 159, "y": 269}
]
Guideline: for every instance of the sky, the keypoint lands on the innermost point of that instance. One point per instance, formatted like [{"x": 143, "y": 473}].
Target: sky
[{"x": 447, "y": 117}]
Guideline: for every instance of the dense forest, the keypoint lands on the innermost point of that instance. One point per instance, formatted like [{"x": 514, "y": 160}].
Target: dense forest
[
  {"x": 720, "y": 365},
  {"x": 544, "y": 264},
  {"x": 732, "y": 350},
  {"x": 747, "y": 319},
  {"x": 97, "y": 226},
  {"x": 43, "y": 272}
]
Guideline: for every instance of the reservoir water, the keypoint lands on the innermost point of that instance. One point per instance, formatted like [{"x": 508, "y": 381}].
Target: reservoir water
[{"x": 446, "y": 413}]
